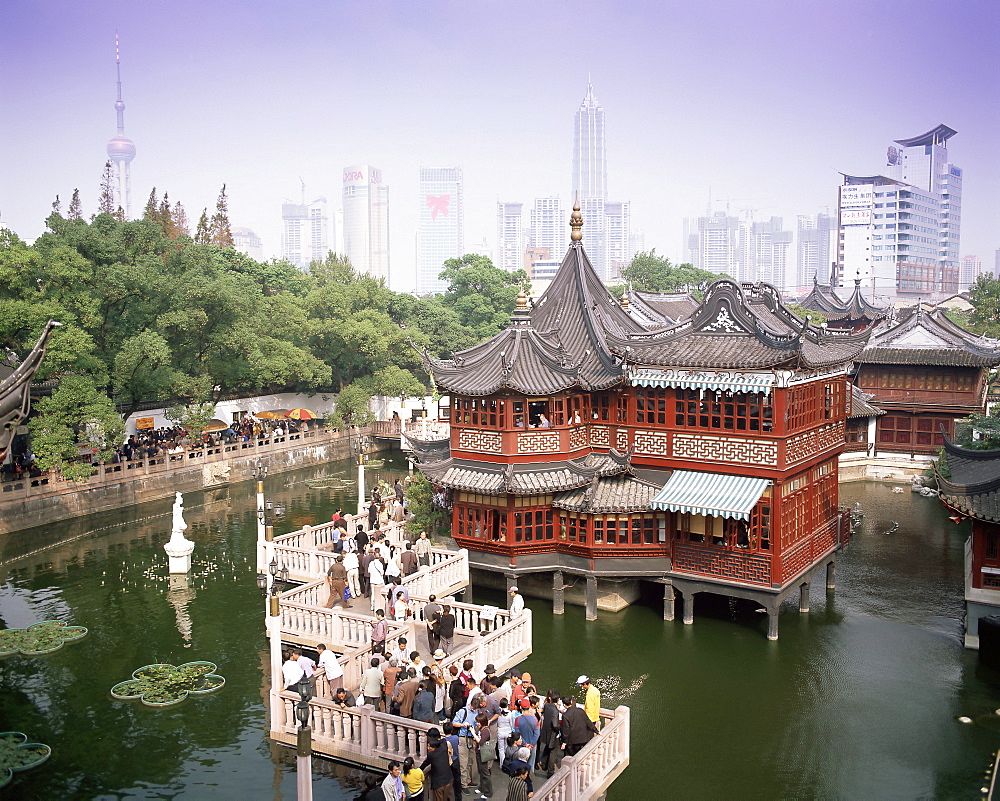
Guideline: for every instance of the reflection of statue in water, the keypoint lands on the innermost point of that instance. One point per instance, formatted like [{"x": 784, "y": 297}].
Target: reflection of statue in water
[
  {"x": 15, "y": 390},
  {"x": 180, "y": 594}
]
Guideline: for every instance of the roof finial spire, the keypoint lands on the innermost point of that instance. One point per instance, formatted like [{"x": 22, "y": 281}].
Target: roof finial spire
[{"x": 576, "y": 221}]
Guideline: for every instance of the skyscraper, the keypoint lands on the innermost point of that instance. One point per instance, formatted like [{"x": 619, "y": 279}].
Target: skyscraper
[
  {"x": 590, "y": 166},
  {"x": 549, "y": 228},
  {"x": 246, "y": 241},
  {"x": 714, "y": 244},
  {"x": 813, "y": 249},
  {"x": 606, "y": 225},
  {"x": 766, "y": 254},
  {"x": 366, "y": 220},
  {"x": 969, "y": 272},
  {"x": 440, "y": 233},
  {"x": 305, "y": 232},
  {"x": 510, "y": 235},
  {"x": 900, "y": 229},
  {"x": 121, "y": 150}
]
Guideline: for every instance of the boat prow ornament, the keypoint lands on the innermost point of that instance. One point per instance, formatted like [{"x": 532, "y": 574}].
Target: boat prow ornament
[{"x": 15, "y": 390}]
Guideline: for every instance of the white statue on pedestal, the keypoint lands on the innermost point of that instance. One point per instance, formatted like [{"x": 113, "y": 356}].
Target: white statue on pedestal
[{"x": 179, "y": 549}]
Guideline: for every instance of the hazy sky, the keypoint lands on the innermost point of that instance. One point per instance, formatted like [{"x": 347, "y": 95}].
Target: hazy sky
[{"x": 758, "y": 103}]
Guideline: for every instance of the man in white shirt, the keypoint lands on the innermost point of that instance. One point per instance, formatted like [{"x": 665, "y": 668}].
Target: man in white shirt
[
  {"x": 401, "y": 653},
  {"x": 332, "y": 671},
  {"x": 352, "y": 565},
  {"x": 308, "y": 665},
  {"x": 516, "y": 602},
  {"x": 291, "y": 671}
]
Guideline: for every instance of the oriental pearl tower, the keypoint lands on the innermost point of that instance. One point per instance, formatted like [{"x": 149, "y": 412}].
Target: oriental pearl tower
[{"x": 121, "y": 150}]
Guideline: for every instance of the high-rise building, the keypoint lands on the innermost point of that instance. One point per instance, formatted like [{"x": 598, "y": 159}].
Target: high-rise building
[
  {"x": 813, "y": 249},
  {"x": 617, "y": 237},
  {"x": 606, "y": 225},
  {"x": 901, "y": 229},
  {"x": 246, "y": 241},
  {"x": 969, "y": 271},
  {"x": 440, "y": 231},
  {"x": 549, "y": 225},
  {"x": 121, "y": 150},
  {"x": 510, "y": 235},
  {"x": 766, "y": 254},
  {"x": 366, "y": 220},
  {"x": 590, "y": 166},
  {"x": 714, "y": 244},
  {"x": 305, "y": 236},
  {"x": 637, "y": 243}
]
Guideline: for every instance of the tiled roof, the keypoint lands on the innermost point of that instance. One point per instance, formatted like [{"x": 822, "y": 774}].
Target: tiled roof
[
  {"x": 928, "y": 338},
  {"x": 661, "y": 307},
  {"x": 559, "y": 343},
  {"x": 823, "y": 299},
  {"x": 973, "y": 487},
  {"x": 860, "y": 406},
  {"x": 858, "y": 307},
  {"x": 523, "y": 479},
  {"x": 621, "y": 494},
  {"x": 740, "y": 327}
]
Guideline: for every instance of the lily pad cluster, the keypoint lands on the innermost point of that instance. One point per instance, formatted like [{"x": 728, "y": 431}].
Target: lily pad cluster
[
  {"x": 166, "y": 685},
  {"x": 16, "y": 753},
  {"x": 40, "y": 638}
]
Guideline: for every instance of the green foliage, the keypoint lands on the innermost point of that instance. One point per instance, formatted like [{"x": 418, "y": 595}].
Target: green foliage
[
  {"x": 984, "y": 295},
  {"x": 986, "y": 428},
  {"x": 426, "y": 514},
  {"x": 481, "y": 295},
  {"x": 192, "y": 417},
  {"x": 39, "y": 638},
  {"x": 651, "y": 273},
  {"x": 803, "y": 313},
  {"x": 106, "y": 203},
  {"x": 166, "y": 685},
  {"x": 75, "y": 421}
]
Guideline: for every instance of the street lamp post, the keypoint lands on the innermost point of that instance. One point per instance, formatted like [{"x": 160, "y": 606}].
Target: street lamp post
[
  {"x": 359, "y": 446},
  {"x": 303, "y": 751},
  {"x": 260, "y": 473}
]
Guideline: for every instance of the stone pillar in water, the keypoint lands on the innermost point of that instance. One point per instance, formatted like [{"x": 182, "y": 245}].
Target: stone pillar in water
[
  {"x": 591, "y": 598},
  {"x": 558, "y": 592}
]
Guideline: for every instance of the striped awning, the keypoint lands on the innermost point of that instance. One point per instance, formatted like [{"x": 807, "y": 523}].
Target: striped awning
[
  {"x": 706, "y": 379},
  {"x": 710, "y": 494}
]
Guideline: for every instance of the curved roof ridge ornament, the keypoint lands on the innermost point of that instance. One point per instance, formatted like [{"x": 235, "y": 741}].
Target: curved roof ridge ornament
[
  {"x": 15, "y": 389},
  {"x": 576, "y": 221}
]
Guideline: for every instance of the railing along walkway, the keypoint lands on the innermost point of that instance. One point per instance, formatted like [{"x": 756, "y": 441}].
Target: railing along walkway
[{"x": 52, "y": 483}]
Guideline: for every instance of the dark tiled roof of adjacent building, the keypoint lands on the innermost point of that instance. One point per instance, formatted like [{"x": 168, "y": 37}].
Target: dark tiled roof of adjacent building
[
  {"x": 621, "y": 494},
  {"x": 973, "y": 487},
  {"x": 928, "y": 338},
  {"x": 861, "y": 406},
  {"x": 824, "y": 300},
  {"x": 859, "y": 308},
  {"x": 741, "y": 327},
  {"x": 661, "y": 308}
]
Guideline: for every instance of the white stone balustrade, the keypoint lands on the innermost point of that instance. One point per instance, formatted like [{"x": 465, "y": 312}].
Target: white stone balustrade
[
  {"x": 306, "y": 621},
  {"x": 588, "y": 774}
]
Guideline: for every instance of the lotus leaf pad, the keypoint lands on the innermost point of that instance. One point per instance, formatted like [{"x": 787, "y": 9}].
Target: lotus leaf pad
[
  {"x": 40, "y": 638},
  {"x": 16, "y": 753},
  {"x": 166, "y": 685}
]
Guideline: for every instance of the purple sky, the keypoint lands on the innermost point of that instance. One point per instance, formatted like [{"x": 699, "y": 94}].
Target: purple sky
[{"x": 762, "y": 103}]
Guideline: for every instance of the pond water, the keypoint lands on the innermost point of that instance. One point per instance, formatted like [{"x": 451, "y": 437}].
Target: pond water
[{"x": 857, "y": 699}]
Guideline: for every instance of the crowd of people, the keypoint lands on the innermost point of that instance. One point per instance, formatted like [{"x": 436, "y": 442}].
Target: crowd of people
[
  {"x": 174, "y": 441},
  {"x": 481, "y": 724}
]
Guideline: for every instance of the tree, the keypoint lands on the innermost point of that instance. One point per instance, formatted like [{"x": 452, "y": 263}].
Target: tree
[
  {"x": 220, "y": 232},
  {"x": 984, "y": 295},
  {"x": 192, "y": 417},
  {"x": 106, "y": 204},
  {"x": 180, "y": 221},
  {"x": 142, "y": 370},
  {"x": 429, "y": 509},
  {"x": 57, "y": 206},
  {"x": 75, "y": 207},
  {"x": 651, "y": 273},
  {"x": 202, "y": 234},
  {"x": 483, "y": 296},
  {"x": 75, "y": 422},
  {"x": 152, "y": 208}
]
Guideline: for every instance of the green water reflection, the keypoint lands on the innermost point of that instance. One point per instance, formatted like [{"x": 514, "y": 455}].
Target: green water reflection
[{"x": 857, "y": 699}]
